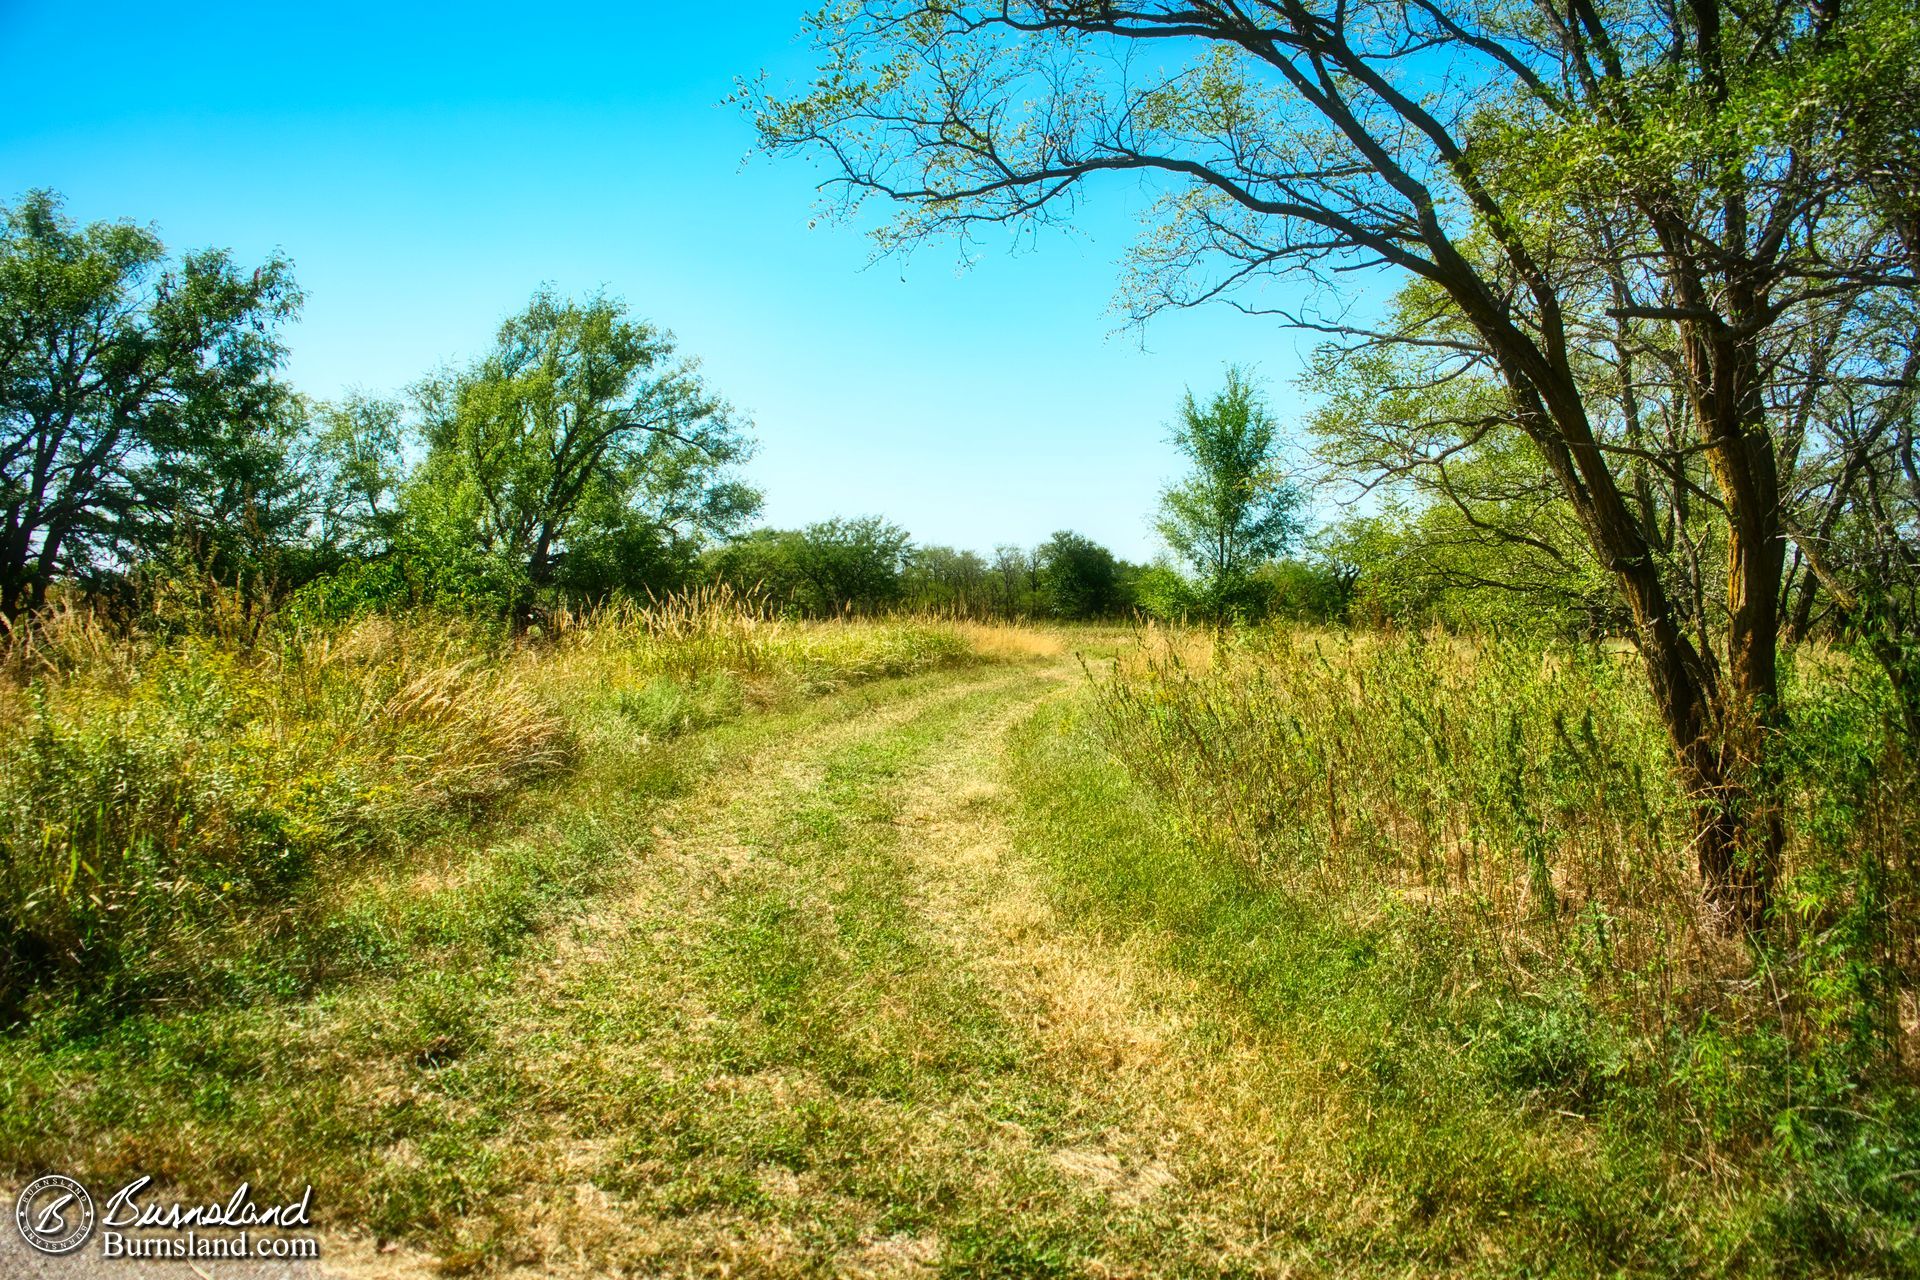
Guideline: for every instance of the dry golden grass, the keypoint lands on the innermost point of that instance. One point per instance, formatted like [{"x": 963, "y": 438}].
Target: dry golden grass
[
  {"x": 1006, "y": 641},
  {"x": 160, "y": 785}
]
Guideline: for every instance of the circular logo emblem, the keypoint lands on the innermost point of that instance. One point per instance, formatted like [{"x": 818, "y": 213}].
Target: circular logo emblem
[{"x": 55, "y": 1214}]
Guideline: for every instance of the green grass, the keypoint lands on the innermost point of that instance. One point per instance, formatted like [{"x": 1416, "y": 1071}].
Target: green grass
[
  {"x": 1497, "y": 1130},
  {"x": 897, "y": 974},
  {"x": 393, "y": 1086},
  {"x": 178, "y": 810}
]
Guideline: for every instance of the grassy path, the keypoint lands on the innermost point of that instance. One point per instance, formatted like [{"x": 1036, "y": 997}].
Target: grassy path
[
  {"x": 802, "y": 1004},
  {"x": 830, "y": 1026}
]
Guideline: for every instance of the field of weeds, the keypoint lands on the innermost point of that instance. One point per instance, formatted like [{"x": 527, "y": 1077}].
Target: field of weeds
[
  {"x": 1496, "y": 823},
  {"x": 174, "y": 803}
]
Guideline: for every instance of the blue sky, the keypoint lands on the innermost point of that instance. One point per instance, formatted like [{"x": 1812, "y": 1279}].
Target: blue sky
[{"x": 426, "y": 169}]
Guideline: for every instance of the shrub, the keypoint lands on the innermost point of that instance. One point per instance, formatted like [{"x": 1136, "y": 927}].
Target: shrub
[{"x": 163, "y": 793}]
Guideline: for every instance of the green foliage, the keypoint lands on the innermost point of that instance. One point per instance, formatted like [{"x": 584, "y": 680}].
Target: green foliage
[
  {"x": 1162, "y": 591},
  {"x": 1317, "y": 590},
  {"x": 1576, "y": 394},
  {"x": 359, "y": 445},
  {"x": 1234, "y": 511},
  {"x": 357, "y": 588},
  {"x": 833, "y": 566},
  {"x": 667, "y": 708},
  {"x": 1552, "y": 1046},
  {"x": 1421, "y": 564},
  {"x": 139, "y": 404},
  {"x": 945, "y": 580},
  {"x": 237, "y": 504},
  {"x": 578, "y": 455},
  {"x": 1469, "y": 529},
  {"x": 1077, "y": 578}
]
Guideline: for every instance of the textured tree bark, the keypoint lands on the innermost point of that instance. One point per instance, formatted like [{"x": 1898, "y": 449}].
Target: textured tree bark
[{"x": 1719, "y": 728}]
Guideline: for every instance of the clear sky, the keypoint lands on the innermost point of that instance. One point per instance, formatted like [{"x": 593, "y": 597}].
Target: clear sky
[{"x": 426, "y": 168}]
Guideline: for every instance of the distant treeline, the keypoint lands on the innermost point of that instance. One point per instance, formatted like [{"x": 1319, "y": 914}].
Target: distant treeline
[
  {"x": 149, "y": 445},
  {"x": 869, "y": 565}
]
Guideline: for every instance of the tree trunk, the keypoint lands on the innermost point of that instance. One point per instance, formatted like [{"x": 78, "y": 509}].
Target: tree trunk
[
  {"x": 1742, "y": 831},
  {"x": 1800, "y": 617},
  {"x": 13, "y": 571},
  {"x": 1719, "y": 735},
  {"x": 1740, "y": 835},
  {"x": 1718, "y": 728}
]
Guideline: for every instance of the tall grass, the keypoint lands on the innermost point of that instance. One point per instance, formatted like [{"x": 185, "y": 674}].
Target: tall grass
[
  {"x": 172, "y": 792},
  {"x": 1507, "y": 809}
]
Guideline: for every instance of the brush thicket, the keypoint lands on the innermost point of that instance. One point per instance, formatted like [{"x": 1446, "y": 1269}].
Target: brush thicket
[
  {"x": 173, "y": 788},
  {"x": 1514, "y": 801}
]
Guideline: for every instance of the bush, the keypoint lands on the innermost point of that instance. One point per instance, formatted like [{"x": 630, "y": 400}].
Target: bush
[
  {"x": 159, "y": 795},
  {"x": 352, "y": 591}
]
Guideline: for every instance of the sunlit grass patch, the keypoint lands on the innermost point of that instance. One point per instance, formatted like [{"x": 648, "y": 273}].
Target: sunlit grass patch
[
  {"x": 170, "y": 798},
  {"x": 416, "y": 1087},
  {"x": 1419, "y": 1154},
  {"x": 1485, "y": 839}
]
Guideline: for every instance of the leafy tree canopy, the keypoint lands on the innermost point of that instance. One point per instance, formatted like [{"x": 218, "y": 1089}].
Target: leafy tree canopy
[
  {"x": 1078, "y": 578},
  {"x": 825, "y": 568},
  {"x": 139, "y": 400},
  {"x": 580, "y": 453},
  {"x": 1235, "y": 510}
]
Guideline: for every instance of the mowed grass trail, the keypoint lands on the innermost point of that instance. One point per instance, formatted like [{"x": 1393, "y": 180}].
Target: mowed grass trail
[{"x": 834, "y": 994}]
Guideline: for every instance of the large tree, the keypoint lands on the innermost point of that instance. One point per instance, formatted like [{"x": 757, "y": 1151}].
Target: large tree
[
  {"x": 359, "y": 446},
  {"x": 121, "y": 375},
  {"x": 1563, "y": 179},
  {"x": 580, "y": 443},
  {"x": 829, "y": 567},
  {"x": 1077, "y": 577},
  {"x": 237, "y": 500}
]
